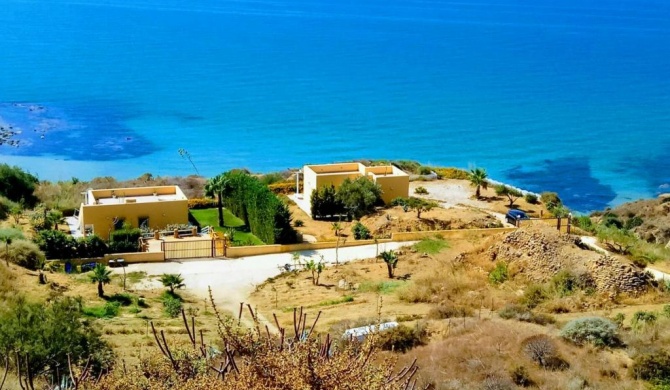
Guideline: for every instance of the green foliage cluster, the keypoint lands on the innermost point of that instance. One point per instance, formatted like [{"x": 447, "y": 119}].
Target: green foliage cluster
[
  {"x": 598, "y": 331},
  {"x": 11, "y": 234},
  {"x": 172, "y": 281},
  {"x": 446, "y": 310},
  {"x": 451, "y": 173},
  {"x": 267, "y": 216},
  {"x": 521, "y": 313},
  {"x": 25, "y": 254},
  {"x": 324, "y": 203},
  {"x": 421, "y": 191},
  {"x": 531, "y": 198},
  {"x": 360, "y": 232},
  {"x": 643, "y": 319},
  {"x": 18, "y": 185},
  {"x": 201, "y": 203},
  {"x": 478, "y": 179},
  {"x": 653, "y": 366},
  {"x": 172, "y": 304},
  {"x": 359, "y": 196},
  {"x": 7, "y": 207},
  {"x": 124, "y": 240},
  {"x": 45, "y": 334},
  {"x": 419, "y": 205},
  {"x": 402, "y": 338},
  {"x": 550, "y": 200},
  {"x": 58, "y": 245},
  {"x": 534, "y": 295},
  {"x": 567, "y": 282},
  {"x": 499, "y": 274},
  {"x": 108, "y": 310}
]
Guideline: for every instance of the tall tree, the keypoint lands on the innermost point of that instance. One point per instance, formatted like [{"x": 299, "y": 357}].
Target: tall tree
[
  {"x": 359, "y": 196},
  {"x": 218, "y": 186},
  {"x": 477, "y": 177},
  {"x": 101, "y": 275}
]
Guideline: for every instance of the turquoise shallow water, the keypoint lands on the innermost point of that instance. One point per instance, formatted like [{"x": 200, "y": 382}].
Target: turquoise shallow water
[{"x": 573, "y": 97}]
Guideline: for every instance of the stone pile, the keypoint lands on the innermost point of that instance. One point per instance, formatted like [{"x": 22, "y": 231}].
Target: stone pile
[{"x": 540, "y": 252}]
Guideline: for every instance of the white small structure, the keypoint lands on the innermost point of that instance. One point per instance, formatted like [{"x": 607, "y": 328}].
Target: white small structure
[{"x": 360, "y": 332}]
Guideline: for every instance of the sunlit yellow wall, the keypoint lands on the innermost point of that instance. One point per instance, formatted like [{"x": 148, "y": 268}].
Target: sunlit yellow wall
[
  {"x": 393, "y": 187},
  {"x": 160, "y": 213}
]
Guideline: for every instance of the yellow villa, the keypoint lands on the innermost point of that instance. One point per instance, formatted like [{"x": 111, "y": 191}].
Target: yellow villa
[
  {"x": 393, "y": 181},
  {"x": 103, "y": 210}
]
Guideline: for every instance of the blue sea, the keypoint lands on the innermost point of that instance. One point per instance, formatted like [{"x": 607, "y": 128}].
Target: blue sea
[{"x": 568, "y": 96}]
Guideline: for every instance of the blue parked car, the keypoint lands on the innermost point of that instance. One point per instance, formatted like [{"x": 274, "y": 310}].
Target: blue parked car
[{"x": 514, "y": 215}]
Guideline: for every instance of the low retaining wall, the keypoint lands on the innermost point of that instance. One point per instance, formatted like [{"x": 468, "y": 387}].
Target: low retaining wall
[
  {"x": 136, "y": 257},
  {"x": 449, "y": 234},
  {"x": 243, "y": 251}
]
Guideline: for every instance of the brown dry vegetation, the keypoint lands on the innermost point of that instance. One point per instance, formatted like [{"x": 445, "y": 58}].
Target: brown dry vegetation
[{"x": 465, "y": 352}]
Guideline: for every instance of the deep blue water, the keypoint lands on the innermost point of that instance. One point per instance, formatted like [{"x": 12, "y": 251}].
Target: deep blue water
[{"x": 570, "y": 96}]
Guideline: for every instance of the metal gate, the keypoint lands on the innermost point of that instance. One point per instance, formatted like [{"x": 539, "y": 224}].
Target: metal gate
[{"x": 190, "y": 249}]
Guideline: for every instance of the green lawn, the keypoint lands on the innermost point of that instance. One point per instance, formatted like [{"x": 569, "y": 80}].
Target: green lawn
[{"x": 210, "y": 217}]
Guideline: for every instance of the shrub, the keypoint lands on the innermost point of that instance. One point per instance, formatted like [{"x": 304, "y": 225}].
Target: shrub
[
  {"x": 598, "y": 331},
  {"x": 633, "y": 222},
  {"x": 451, "y": 173},
  {"x": 91, "y": 246},
  {"x": 299, "y": 223},
  {"x": 359, "y": 196},
  {"x": 171, "y": 304},
  {"x": 56, "y": 244},
  {"x": 550, "y": 200},
  {"x": 401, "y": 338},
  {"x": 6, "y": 207},
  {"x": 666, "y": 311},
  {"x": 521, "y": 377},
  {"x": 324, "y": 202},
  {"x": 421, "y": 191},
  {"x": 521, "y": 313},
  {"x": 17, "y": 185},
  {"x": 653, "y": 367},
  {"x": 26, "y": 254},
  {"x": 284, "y": 188},
  {"x": 425, "y": 171},
  {"x": 399, "y": 201},
  {"x": 272, "y": 178},
  {"x": 618, "y": 319},
  {"x": 584, "y": 222},
  {"x": 11, "y": 234},
  {"x": 127, "y": 235},
  {"x": 534, "y": 295},
  {"x": 564, "y": 283},
  {"x": 445, "y": 310},
  {"x": 540, "y": 349},
  {"x": 643, "y": 319},
  {"x": 530, "y": 198},
  {"x": 201, "y": 203},
  {"x": 497, "y": 382},
  {"x": 360, "y": 232},
  {"x": 500, "y": 274}
]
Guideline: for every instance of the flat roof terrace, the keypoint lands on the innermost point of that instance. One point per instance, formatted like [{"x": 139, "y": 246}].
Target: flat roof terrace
[{"x": 134, "y": 195}]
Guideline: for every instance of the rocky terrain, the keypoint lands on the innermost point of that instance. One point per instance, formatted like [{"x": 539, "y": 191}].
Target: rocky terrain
[
  {"x": 540, "y": 252},
  {"x": 654, "y": 215}
]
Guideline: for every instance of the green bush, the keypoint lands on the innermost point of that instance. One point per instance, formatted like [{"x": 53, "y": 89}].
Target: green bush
[
  {"x": 49, "y": 334},
  {"x": 26, "y": 254},
  {"x": 520, "y": 313},
  {"x": 451, "y": 173},
  {"x": 421, "y": 191},
  {"x": 425, "y": 171},
  {"x": 401, "y": 338},
  {"x": 11, "y": 234},
  {"x": 359, "y": 196},
  {"x": 399, "y": 201},
  {"x": 6, "y": 207},
  {"x": 56, "y": 244},
  {"x": 643, "y": 319},
  {"x": 445, "y": 310},
  {"x": 431, "y": 246},
  {"x": 324, "y": 202},
  {"x": 633, "y": 222},
  {"x": 172, "y": 304},
  {"x": 17, "y": 185},
  {"x": 666, "y": 311},
  {"x": 128, "y": 235},
  {"x": 598, "y": 331},
  {"x": 550, "y": 200},
  {"x": 653, "y": 367},
  {"x": 500, "y": 274},
  {"x": 585, "y": 223},
  {"x": 360, "y": 232},
  {"x": 564, "y": 283},
  {"x": 534, "y": 295},
  {"x": 91, "y": 246},
  {"x": 530, "y": 198}
]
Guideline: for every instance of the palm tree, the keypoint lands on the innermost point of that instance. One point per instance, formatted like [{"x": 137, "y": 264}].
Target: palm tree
[
  {"x": 218, "y": 186},
  {"x": 391, "y": 260},
  {"x": 172, "y": 281},
  {"x": 477, "y": 177},
  {"x": 101, "y": 275},
  {"x": 336, "y": 227}
]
